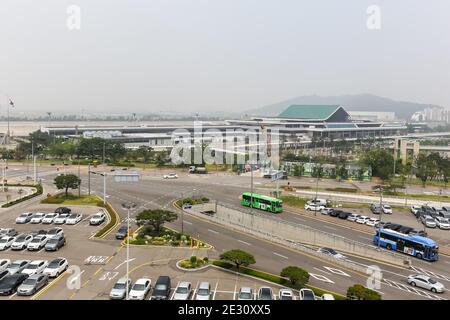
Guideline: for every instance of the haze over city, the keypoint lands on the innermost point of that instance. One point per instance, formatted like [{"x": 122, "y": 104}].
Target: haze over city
[{"x": 206, "y": 56}]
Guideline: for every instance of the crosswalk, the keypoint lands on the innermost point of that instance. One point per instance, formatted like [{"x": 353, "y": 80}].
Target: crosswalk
[
  {"x": 430, "y": 274},
  {"x": 412, "y": 290}
]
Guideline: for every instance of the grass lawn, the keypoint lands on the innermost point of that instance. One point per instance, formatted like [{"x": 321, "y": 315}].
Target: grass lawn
[{"x": 89, "y": 200}]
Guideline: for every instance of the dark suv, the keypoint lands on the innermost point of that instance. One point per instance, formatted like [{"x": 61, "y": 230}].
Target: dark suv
[
  {"x": 162, "y": 288},
  {"x": 122, "y": 233},
  {"x": 62, "y": 210}
]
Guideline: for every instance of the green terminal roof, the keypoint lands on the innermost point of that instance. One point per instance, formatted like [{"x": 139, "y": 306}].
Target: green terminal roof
[{"x": 312, "y": 112}]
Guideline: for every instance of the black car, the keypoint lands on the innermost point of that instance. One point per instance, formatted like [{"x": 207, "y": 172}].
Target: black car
[
  {"x": 122, "y": 233},
  {"x": 335, "y": 213},
  {"x": 62, "y": 210},
  {"x": 41, "y": 232},
  {"x": 162, "y": 288},
  {"x": 405, "y": 230},
  {"x": 393, "y": 226},
  {"x": 9, "y": 284},
  {"x": 3, "y": 274},
  {"x": 344, "y": 215}
]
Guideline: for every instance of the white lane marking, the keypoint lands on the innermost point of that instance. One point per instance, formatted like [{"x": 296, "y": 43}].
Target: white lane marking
[
  {"x": 249, "y": 244},
  {"x": 129, "y": 260},
  {"x": 15, "y": 294},
  {"x": 411, "y": 289},
  {"x": 173, "y": 293},
  {"x": 321, "y": 278},
  {"x": 280, "y": 255},
  {"x": 213, "y": 231},
  {"x": 187, "y": 222},
  {"x": 195, "y": 290},
  {"x": 430, "y": 273},
  {"x": 215, "y": 290},
  {"x": 299, "y": 219},
  {"x": 337, "y": 271},
  {"x": 322, "y": 271},
  {"x": 331, "y": 228},
  {"x": 234, "y": 292},
  {"x": 365, "y": 238}
]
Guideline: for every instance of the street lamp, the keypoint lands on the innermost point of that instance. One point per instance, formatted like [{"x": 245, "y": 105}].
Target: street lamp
[
  {"x": 128, "y": 206},
  {"x": 104, "y": 183}
]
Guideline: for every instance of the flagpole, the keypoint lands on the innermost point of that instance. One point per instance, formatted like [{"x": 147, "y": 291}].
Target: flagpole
[{"x": 7, "y": 112}]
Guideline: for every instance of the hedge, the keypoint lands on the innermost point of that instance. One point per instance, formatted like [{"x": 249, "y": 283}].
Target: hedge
[
  {"x": 39, "y": 191},
  {"x": 112, "y": 221}
]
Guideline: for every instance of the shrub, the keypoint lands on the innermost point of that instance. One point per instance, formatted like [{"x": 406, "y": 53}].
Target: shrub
[
  {"x": 359, "y": 292},
  {"x": 193, "y": 260},
  {"x": 205, "y": 259},
  {"x": 297, "y": 276}
]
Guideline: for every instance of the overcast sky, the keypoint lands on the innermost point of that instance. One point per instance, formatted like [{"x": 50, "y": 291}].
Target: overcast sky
[{"x": 229, "y": 55}]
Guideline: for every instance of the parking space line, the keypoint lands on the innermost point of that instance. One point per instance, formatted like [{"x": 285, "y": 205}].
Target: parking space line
[
  {"x": 173, "y": 294},
  {"x": 13, "y": 295},
  {"x": 234, "y": 291},
  {"x": 215, "y": 290},
  {"x": 195, "y": 290}
]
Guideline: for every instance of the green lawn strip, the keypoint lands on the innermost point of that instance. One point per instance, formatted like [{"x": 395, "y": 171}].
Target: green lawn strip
[
  {"x": 273, "y": 278},
  {"x": 38, "y": 192},
  {"x": 114, "y": 218}
]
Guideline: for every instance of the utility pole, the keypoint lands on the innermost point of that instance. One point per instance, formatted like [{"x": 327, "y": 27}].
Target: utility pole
[
  {"x": 104, "y": 188},
  {"x": 79, "y": 177},
  {"x": 89, "y": 178},
  {"x": 34, "y": 163},
  {"x": 381, "y": 214},
  {"x": 128, "y": 206}
]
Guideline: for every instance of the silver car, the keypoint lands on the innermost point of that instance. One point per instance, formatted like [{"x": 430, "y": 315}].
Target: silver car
[
  {"x": 183, "y": 291},
  {"x": 428, "y": 221},
  {"x": 204, "y": 291},
  {"x": 18, "y": 266},
  {"x": 119, "y": 291},
  {"x": 245, "y": 293},
  {"x": 425, "y": 282},
  {"x": 32, "y": 284},
  {"x": 442, "y": 223}
]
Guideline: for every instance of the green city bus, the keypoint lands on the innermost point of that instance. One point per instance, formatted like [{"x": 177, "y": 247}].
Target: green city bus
[{"x": 262, "y": 202}]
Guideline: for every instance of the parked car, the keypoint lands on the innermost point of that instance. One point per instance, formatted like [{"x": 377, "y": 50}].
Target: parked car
[
  {"x": 421, "y": 233},
  {"x": 32, "y": 284},
  {"x": 37, "y": 243},
  {"x": 122, "y": 233},
  {"x": 265, "y": 293},
  {"x": 362, "y": 219},
  {"x": 55, "y": 243},
  {"x": 331, "y": 252},
  {"x": 63, "y": 210},
  {"x": 140, "y": 289},
  {"x": 9, "y": 284},
  {"x": 61, "y": 219},
  {"x": 405, "y": 229},
  {"x": 414, "y": 209},
  {"x": 444, "y": 214},
  {"x": 245, "y": 293},
  {"x": 323, "y": 202},
  {"x": 425, "y": 282},
  {"x": 50, "y": 217},
  {"x": 24, "y": 218},
  {"x": 97, "y": 218},
  {"x": 6, "y": 242},
  {"x": 53, "y": 232},
  {"x": 442, "y": 223},
  {"x": 161, "y": 290},
  {"x": 344, "y": 215},
  {"x": 35, "y": 267},
  {"x": 327, "y": 296},
  {"x": 37, "y": 217},
  {"x": 353, "y": 217},
  {"x": 183, "y": 291},
  {"x": 307, "y": 294},
  {"x": 170, "y": 176},
  {"x": 375, "y": 208},
  {"x": 40, "y": 232},
  {"x": 387, "y": 209},
  {"x": 74, "y": 218},
  {"x": 372, "y": 222},
  {"x": 21, "y": 242},
  {"x": 119, "y": 291},
  {"x": 314, "y": 207},
  {"x": 8, "y": 232},
  {"x": 4, "y": 263},
  {"x": 17, "y": 266},
  {"x": 335, "y": 213},
  {"x": 285, "y": 294},
  {"x": 428, "y": 221},
  {"x": 326, "y": 211},
  {"x": 56, "y": 267},
  {"x": 3, "y": 274},
  {"x": 392, "y": 226},
  {"x": 203, "y": 291}
]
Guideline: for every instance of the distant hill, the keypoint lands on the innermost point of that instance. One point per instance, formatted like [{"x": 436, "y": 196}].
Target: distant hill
[{"x": 360, "y": 102}]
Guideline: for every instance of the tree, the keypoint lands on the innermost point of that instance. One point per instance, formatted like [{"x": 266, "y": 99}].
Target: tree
[
  {"x": 380, "y": 161},
  {"x": 161, "y": 158},
  {"x": 297, "y": 276},
  {"x": 238, "y": 257},
  {"x": 67, "y": 181},
  {"x": 155, "y": 219},
  {"x": 360, "y": 292}
]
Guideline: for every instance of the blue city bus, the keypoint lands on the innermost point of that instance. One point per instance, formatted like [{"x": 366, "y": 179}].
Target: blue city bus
[{"x": 414, "y": 245}]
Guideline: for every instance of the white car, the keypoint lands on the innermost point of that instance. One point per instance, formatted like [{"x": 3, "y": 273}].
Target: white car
[
  {"x": 21, "y": 242},
  {"x": 171, "y": 176},
  {"x": 50, "y": 217},
  {"x": 326, "y": 211},
  {"x": 387, "y": 209},
  {"x": 286, "y": 294},
  {"x": 353, "y": 217},
  {"x": 56, "y": 267},
  {"x": 203, "y": 291},
  {"x": 327, "y": 296},
  {"x": 372, "y": 222},
  {"x": 61, "y": 219},
  {"x": 4, "y": 264},
  {"x": 183, "y": 291},
  {"x": 37, "y": 243},
  {"x": 314, "y": 207},
  {"x": 140, "y": 289},
  {"x": 331, "y": 252},
  {"x": 35, "y": 267},
  {"x": 97, "y": 218},
  {"x": 362, "y": 219},
  {"x": 53, "y": 232},
  {"x": 414, "y": 209},
  {"x": 24, "y": 218},
  {"x": 428, "y": 221},
  {"x": 425, "y": 282},
  {"x": 6, "y": 242},
  {"x": 245, "y": 293},
  {"x": 74, "y": 218},
  {"x": 37, "y": 218},
  {"x": 442, "y": 223}
]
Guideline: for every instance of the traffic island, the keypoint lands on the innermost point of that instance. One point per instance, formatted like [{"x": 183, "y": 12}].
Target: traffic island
[
  {"x": 193, "y": 264},
  {"x": 17, "y": 193}
]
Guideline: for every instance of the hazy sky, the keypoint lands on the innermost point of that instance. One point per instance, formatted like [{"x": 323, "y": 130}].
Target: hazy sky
[{"x": 229, "y": 55}]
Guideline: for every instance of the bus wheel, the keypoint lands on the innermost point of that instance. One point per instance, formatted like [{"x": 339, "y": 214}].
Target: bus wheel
[
  {"x": 388, "y": 246},
  {"x": 419, "y": 255}
]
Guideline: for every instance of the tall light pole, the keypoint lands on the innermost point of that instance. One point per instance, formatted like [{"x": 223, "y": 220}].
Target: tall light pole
[
  {"x": 128, "y": 206},
  {"x": 381, "y": 213}
]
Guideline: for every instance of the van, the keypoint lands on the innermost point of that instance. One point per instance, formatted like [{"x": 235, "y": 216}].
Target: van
[
  {"x": 162, "y": 288},
  {"x": 318, "y": 201}
]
